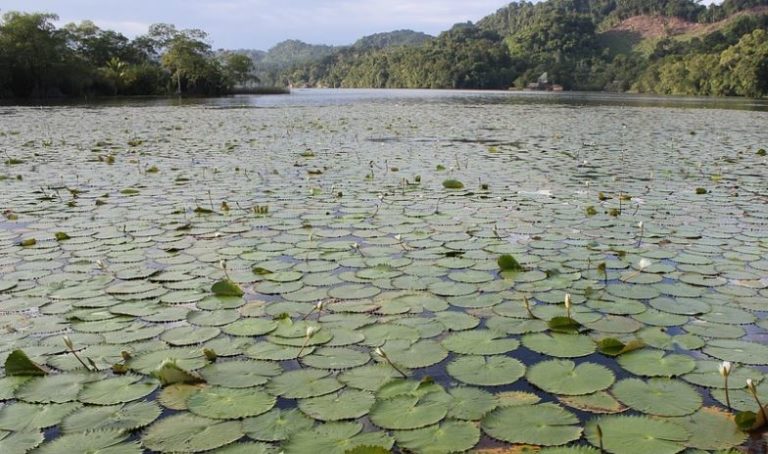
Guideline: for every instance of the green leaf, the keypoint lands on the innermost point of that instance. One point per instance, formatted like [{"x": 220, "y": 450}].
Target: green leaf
[
  {"x": 746, "y": 420},
  {"x": 712, "y": 428},
  {"x": 656, "y": 363},
  {"x": 170, "y": 373},
  {"x": 276, "y": 424},
  {"x": 226, "y": 287},
  {"x": 19, "y": 364},
  {"x": 98, "y": 441},
  {"x": 613, "y": 347},
  {"x": 116, "y": 390},
  {"x": 453, "y": 184},
  {"x": 637, "y": 435},
  {"x": 542, "y": 424},
  {"x": 226, "y": 403},
  {"x": 565, "y": 377},
  {"x": 24, "y": 417},
  {"x": 486, "y": 371},
  {"x": 61, "y": 236},
  {"x": 19, "y": 442},
  {"x": 508, "y": 263},
  {"x": 565, "y": 325},
  {"x": 335, "y": 438},
  {"x": 409, "y": 411},
  {"x": 186, "y": 432},
  {"x": 447, "y": 437},
  {"x": 658, "y": 396},
  {"x": 127, "y": 417},
  {"x": 240, "y": 374},
  {"x": 347, "y": 404}
]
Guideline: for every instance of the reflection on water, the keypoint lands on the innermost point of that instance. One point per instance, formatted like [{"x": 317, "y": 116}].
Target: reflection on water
[{"x": 333, "y": 97}]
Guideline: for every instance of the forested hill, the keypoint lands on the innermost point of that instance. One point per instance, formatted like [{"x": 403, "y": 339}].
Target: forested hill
[
  {"x": 675, "y": 47},
  {"x": 670, "y": 46}
]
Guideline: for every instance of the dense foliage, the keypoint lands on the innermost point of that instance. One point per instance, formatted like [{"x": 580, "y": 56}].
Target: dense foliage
[
  {"x": 578, "y": 44},
  {"x": 37, "y": 59},
  {"x": 573, "y": 42}
]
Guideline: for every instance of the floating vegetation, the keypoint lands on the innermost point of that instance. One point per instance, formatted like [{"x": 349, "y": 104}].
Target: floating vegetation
[{"x": 235, "y": 302}]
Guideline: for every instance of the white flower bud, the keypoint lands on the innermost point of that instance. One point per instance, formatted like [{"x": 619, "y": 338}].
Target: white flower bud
[
  {"x": 379, "y": 351},
  {"x": 644, "y": 263},
  {"x": 725, "y": 368},
  {"x": 311, "y": 331},
  {"x": 567, "y": 301}
]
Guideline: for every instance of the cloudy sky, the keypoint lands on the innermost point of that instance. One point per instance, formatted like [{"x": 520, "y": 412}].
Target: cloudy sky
[{"x": 259, "y": 24}]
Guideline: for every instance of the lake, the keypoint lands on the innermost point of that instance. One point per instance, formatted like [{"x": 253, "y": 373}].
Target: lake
[{"x": 256, "y": 274}]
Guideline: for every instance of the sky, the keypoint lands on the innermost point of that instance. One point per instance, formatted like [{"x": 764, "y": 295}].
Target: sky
[{"x": 260, "y": 24}]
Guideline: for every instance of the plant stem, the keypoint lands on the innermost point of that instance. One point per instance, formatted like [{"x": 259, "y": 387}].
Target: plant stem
[{"x": 727, "y": 395}]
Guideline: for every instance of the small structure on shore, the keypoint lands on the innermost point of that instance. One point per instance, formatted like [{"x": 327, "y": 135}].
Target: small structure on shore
[{"x": 543, "y": 84}]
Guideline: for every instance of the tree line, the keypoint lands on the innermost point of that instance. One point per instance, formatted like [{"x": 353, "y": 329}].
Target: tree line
[
  {"x": 37, "y": 59},
  {"x": 566, "y": 40}
]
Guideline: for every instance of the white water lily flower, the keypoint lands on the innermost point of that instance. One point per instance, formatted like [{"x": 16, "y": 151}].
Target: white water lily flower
[
  {"x": 355, "y": 246},
  {"x": 399, "y": 237},
  {"x": 319, "y": 305},
  {"x": 725, "y": 368},
  {"x": 640, "y": 225},
  {"x": 644, "y": 263},
  {"x": 751, "y": 386},
  {"x": 311, "y": 331}
]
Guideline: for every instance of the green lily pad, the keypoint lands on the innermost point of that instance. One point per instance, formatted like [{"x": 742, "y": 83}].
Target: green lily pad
[
  {"x": 303, "y": 383},
  {"x": 656, "y": 363},
  {"x": 227, "y": 403},
  {"x": 565, "y": 377},
  {"x": 480, "y": 342},
  {"x": 637, "y": 435},
  {"x": 658, "y": 396},
  {"x": 409, "y": 411},
  {"x": 95, "y": 441},
  {"x": 186, "y": 432},
  {"x": 486, "y": 371},
  {"x": 348, "y": 404},
  {"x": 336, "y": 438},
  {"x": 126, "y": 417},
  {"x": 560, "y": 345},
  {"x": 542, "y": 424},
  {"x": 447, "y": 437},
  {"x": 276, "y": 424},
  {"x": 240, "y": 374}
]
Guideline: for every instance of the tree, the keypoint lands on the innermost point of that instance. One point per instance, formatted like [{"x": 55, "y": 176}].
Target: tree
[{"x": 239, "y": 68}]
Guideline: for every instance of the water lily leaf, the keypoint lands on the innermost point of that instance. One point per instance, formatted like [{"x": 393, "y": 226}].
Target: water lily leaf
[
  {"x": 116, "y": 390},
  {"x": 101, "y": 441},
  {"x": 656, "y": 363},
  {"x": 303, "y": 383},
  {"x": 175, "y": 397},
  {"x": 486, "y": 371},
  {"x": 560, "y": 345},
  {"x": 276, "y": 424},
  {"x": 565, "y": 377},
  {"x": 613, "y": 347},
  {"x": 126, "y": 417},
  {"x": 599, "y": 402},
  {"x": 508, "y": 263},
  {"x": 19, "y": 364},
  {"x": 226, "y": 403},
  {"x": 189, "y": 335},
  {"x": 738, "y": 351},
  {"x": 24, "y": 417},
  {"x": 447, "y": 437},
  {"x": 274, "y": 352},
  {"x": 188, "y": 359},
  {"x": 470, "y": 403},
  {"x": 348, "y": 404},
  {"x": 423, "y": 353},
  {"x": 542, "y": 424},
  {"x": 186, "y": 432},
  {"x": 370, "y": 377},
  {"x": 248, "y": 448},
  {"x": 240, "y": 374},
  {"x": 54, "y": 388},
  {"x": 335, "y": 358},
  {"x": 707, "y": 374},
  {"x": 226, "y": 287},
  {"x": 19, "y": 442},
  {"x": 565, "y": 325},
  {"x": 335, "y": 438},
  {"x": 658, "y": 396},
  {"x": 637, "y": 435},
  {"x": 409, "y": 411},
  {"x": 711, "y": 429},
  {"x": 480, "y": 342},
  {"x": 171, "y": 373}
]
